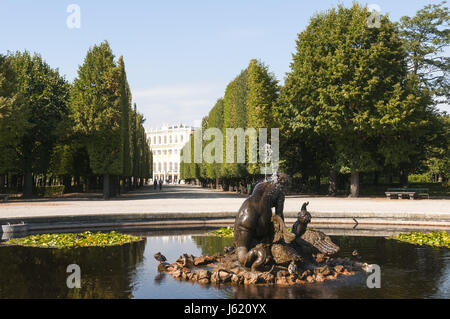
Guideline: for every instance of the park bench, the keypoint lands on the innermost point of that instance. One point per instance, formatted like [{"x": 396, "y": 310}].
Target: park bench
[
  {"x": 5, "y": 197},
  {"x": 411, "y": 193}
]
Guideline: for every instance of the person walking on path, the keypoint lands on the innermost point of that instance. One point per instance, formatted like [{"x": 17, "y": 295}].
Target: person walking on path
[
  {"x": 160, "y": 184},
  {"x": 155, "y": 184}
]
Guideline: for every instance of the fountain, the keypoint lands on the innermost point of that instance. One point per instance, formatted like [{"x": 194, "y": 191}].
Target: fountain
[{"x": 265, "y": 251}]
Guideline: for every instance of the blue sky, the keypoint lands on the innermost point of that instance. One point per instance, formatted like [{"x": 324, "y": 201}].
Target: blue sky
[{"x": 179, "y": 55}]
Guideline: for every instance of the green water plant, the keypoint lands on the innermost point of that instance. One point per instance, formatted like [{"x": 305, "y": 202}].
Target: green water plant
[
  {"x": 434, "y": 239},
  {"x": 72, "y": 240},
  {"x": 225, "y": 232}
]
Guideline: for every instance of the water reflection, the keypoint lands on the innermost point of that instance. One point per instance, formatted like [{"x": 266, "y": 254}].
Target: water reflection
[
  {"x": 41, "y": 273},
  {"x": 130, "y": 271}
]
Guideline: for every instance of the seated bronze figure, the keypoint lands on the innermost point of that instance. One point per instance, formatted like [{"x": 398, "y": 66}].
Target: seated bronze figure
[{"x": 253, "y": 223}]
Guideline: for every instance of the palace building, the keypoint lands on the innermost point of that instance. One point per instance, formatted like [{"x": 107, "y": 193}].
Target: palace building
[{"x": 166, "y": 144}]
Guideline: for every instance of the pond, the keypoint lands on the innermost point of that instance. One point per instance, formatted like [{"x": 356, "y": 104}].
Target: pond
[{"x": 130, "y": 271}]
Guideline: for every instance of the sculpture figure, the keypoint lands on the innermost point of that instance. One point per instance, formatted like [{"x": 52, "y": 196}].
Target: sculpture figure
[
  {"x": 253, "y": 223},
  {"x": 262, "y": 238}
]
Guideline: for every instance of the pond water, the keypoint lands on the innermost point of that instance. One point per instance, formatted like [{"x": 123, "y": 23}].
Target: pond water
[{"x": 130, "y": 271}]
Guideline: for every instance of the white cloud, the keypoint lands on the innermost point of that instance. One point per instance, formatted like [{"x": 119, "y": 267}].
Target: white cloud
[{"x": 172, "y": 104}]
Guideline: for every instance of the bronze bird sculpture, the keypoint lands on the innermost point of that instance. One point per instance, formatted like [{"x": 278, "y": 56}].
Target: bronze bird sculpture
[
  {"x": 355, "y": 254},
  {"x": 317, "y": 239},
  {"x": 160, "y": 257}
]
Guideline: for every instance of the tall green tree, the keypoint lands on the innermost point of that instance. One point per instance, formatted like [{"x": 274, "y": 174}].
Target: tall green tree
[
  {"x": 14, "y": 117},
  {"x": 426, "y": 38},
  {"x": 349, "y": 86},
  {"x": 96, "y": 111},
  {"x": 262, "y": 94},
  {"x": 125, "y": 108},
  {"x": 44, "y": 94},
  {"x": 235, "y": 116},
  {"x": 215, "y": 121}
]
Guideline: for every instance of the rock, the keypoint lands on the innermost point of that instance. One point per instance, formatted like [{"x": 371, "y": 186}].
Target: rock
[
  {"x": 305, "y": 274},
  {"x": 338, "y": 268},
  {"x": 204, "y": 281},
  {"x": 291, "y": 279},
  {"x": 237, "y": 279},
  {"x": 325, "y": 271},
  {"x": 203, "y": 260},
  {"x": 331, "y": 277},
  {"x": 267, "y": 278},
  {"x": 215, "y": 277},
  {"x": 300, "y": 282},
  {"x": 319, "y": 278},
  {"x": 236, "y": 270},
  {"x": 348, "y": 273},
  {"x": 224, "y": 276},
  {"x": 310, "y": 279},
  {"x": 282, "y": 273},
  {"x": 204, "y": 274},
  {"x": 177, "y": 273},
  {"x": 282, "y": 281},
  {"x": 320, "y": 257},
  {"x": 186, "y": 260},
  {"x": 250, "y": 278},
  {"x": 194, "y": 276},
  {"x": 163, "y": 266}
]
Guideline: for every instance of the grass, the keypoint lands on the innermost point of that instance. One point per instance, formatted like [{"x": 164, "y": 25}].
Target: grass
[
  {"x": 70, "y": 240},
  {"x": 434, "y": 239}
]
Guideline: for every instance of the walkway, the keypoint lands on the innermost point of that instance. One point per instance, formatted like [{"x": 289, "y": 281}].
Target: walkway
[{"x": 184, "y": 201}]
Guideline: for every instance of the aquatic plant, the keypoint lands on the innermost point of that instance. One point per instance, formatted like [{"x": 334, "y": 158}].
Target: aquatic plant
[
  {"x": 71, "y": 240},
  {"x": 434, "y": 239},
  {"x": 225, "y": 232}
]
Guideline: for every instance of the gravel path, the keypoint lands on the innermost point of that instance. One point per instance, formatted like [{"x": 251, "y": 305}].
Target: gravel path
[{"x": 190, "y": 199}]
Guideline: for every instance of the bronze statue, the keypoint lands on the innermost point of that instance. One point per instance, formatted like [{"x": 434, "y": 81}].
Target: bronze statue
[
  {"x": 261, "y": 238},
  {"x": 253, "y": 223}
]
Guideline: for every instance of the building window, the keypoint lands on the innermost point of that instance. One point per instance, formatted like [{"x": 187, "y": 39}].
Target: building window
[
  {"x": 159, "y": 167},
  {"x": 165, "y": 139},
  {"x": 176, "y": 139},
  {"x": 154, "y": 139},
  {"x": 170, "y": 139},
  {"x": 170, "y": 166},
  {"x": 181, "y": 138},
  {"x": 165, "y": 167},
  {"x": 159, "y": 139}
]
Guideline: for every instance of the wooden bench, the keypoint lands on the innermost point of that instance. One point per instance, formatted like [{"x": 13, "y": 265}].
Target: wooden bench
[
  {"x": 5, "y": 197},
  {"x": 411, "y": 193}
]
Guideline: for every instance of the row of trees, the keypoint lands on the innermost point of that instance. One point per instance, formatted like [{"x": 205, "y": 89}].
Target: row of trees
[
  {"x": 247, "y": 103},
  {"x": 358, "y": 99},
  {"x": 81, "y": 134}
]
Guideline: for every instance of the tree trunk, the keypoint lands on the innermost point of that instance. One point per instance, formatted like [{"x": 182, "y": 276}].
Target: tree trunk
[
  {"x": 354, "y": 184},
  {"x": 404, "y": 177},
  {"x": 332, "y": 183},
  {"x": 106, "y": 187},
  {"x": 375, "y": 178},
  {"x": 28, "y": 185}
]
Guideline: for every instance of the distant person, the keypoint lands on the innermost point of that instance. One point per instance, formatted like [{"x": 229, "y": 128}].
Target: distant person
[
  {"x": 155, "y": 184},
  {"x": 160, "y": 184}
]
